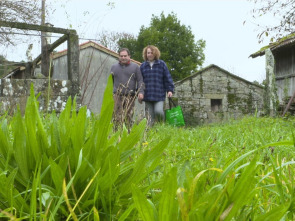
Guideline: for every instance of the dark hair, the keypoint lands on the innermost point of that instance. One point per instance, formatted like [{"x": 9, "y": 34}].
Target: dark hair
[{"x": 124, "y": 49}]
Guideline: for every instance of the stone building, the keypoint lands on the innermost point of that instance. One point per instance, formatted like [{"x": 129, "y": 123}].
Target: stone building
[{"x": 214, "y": 95}]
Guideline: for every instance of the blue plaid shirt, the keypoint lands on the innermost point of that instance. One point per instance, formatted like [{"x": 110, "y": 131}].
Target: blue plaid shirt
[{"x": 157, "y": 80}]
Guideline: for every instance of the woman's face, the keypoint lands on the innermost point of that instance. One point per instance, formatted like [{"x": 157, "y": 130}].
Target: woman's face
[{"x": 149, "y": 54}]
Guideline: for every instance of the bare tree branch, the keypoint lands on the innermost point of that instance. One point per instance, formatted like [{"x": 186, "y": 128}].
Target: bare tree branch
[
  {"x": 27, "y": 11},
  {"x": 284, "y": 11},
  {"x": 110, "y": 39}
]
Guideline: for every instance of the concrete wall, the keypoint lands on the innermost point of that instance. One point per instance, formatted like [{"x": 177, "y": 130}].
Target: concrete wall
[
  {"x": 214, "y": 95},
  {"x": 14, "y": 92}
]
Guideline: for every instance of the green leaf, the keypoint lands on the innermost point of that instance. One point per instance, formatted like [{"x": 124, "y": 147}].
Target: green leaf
[
  {"x": 167, "y": 204},
  {"x": 242, "y": 191},
  {"x": 137, "y": 174},
  {"x": 276, "y": 213},
  {"x": 110, "y": 168},
  {"x": 21, "y": 153},
  {"x": 35, "y": 186},
  {"x": 142, "y": 205},
  {"x": 57, "y": 175},
  {"x": 127, "y": 142},
  {"x": 125, "y": 215},
  {"x": 233, "y": 164}
]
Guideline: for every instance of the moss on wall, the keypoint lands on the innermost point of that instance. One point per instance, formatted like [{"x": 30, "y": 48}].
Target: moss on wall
[
  {"x": 201, "y": 85},
  {"x": 228, "y": 87},
  {"x": 232, "y": 99},
  {"x": 47, "y": 96},
  {"x": 249, "y": 102}
]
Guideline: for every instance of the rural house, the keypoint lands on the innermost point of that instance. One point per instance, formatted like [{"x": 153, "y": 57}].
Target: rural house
[
  {"x": 280, "y": 63},
  {"x": 213, "y": 95},
  {"x": 94, "y": 67}
]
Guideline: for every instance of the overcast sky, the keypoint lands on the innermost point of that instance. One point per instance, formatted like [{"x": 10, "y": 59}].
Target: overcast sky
[{"x": 219, "y": 22}]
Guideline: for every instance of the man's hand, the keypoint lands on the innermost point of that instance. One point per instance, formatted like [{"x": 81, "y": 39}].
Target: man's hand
[
  {"x": 169, "y": 94},
  {"x": 140, "y": 98}
]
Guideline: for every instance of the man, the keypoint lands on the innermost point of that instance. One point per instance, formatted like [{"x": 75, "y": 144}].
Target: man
[{"x": 128, "y": 83}]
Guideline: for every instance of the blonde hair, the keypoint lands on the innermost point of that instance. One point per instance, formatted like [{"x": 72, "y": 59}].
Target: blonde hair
[{"x": 154, "y": 49}]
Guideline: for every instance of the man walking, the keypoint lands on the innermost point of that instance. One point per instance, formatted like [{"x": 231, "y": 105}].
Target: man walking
[{"x": 128, "y": 83}]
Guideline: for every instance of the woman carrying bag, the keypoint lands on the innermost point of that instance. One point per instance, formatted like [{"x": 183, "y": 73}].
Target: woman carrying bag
[{"x": 158, "y": 82}]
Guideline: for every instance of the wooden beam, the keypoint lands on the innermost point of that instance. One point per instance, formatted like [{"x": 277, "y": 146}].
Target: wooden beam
[
  {"x": 288, "y": 105},
  {"x": 284, "y": 76},
  {"x": 52, "y": 46},
  {"x": 24, "y": 26},
  {"x": 57, "y": 43}
]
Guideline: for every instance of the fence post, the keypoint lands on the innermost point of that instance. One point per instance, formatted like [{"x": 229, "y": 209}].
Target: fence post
[{"x": 73, "y": 62}]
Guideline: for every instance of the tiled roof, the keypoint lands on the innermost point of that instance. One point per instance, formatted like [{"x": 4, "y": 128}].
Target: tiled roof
[{"x": 94, "y": 45}]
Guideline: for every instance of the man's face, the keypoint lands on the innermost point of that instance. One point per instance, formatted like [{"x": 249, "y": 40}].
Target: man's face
[{"x": 124, "y": 57}]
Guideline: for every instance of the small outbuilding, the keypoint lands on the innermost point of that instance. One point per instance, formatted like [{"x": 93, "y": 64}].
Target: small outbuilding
[
  {"x": 213, "y": 95},
  {"x": 280, "y": 65}
]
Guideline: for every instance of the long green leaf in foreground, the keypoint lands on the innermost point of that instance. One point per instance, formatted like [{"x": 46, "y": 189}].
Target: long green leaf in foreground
[
  {"x": 168, "y": 203},
  {"x": 142, "y": 205},
  {"x": 242, "y": 192}
]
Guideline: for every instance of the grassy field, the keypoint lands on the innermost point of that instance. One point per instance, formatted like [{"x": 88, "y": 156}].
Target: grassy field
[{"x": 74, "y": 167}]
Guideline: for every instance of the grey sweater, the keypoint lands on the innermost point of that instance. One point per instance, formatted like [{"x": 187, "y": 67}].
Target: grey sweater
[{"x": 127, "y": 79}]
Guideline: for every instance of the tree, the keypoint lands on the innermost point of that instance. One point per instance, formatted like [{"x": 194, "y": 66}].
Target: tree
[
  {"x": 282, "y": 11},
  {"x": 110, "y": 39},
  {"x": 27, "y": 11},
  {"x": 176, "y": 42}
]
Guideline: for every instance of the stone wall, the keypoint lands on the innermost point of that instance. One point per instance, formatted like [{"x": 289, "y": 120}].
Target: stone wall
[
  {"x": 14, "y": 92},
  {"x": 214, "y": 95}
]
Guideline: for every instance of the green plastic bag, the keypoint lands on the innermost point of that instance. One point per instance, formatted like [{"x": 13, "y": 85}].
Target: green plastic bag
[{"x": 174, "y": 115}]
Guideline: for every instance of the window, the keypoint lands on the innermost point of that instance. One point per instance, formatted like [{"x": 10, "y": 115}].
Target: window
[{"x": 216, "y": 105}]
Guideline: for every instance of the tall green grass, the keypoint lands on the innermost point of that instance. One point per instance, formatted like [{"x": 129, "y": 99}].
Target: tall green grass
[
  {"x": 240, "y": 170},
  {"x": 73, "y": 167}
]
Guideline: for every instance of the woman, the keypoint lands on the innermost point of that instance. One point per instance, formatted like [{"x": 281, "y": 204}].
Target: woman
[{"x": 158, "y": 82}]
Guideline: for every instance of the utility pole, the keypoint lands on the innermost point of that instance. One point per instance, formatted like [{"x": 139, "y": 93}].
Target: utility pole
[{"x": 45, "y": 57}]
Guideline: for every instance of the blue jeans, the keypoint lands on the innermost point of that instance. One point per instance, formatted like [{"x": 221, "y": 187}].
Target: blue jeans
[{"x": 154, "y": 111}]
